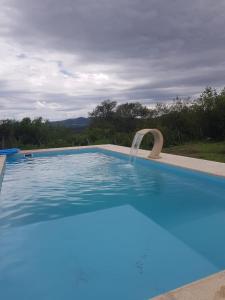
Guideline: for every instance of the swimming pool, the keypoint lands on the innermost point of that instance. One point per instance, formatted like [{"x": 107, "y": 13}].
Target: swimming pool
[{"x": 88, "y": 224}]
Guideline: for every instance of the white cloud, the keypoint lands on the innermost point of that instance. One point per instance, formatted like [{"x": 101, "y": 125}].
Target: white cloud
[{"x": 31, "y": 75}]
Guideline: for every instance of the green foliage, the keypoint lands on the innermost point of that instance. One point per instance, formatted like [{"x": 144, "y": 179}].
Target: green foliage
[
  {"x": 182, "y": 122},
  {"x": 35, "y": 133},
  {"x": 104, "y": 111},
  {"x": 204, "y": 150}
]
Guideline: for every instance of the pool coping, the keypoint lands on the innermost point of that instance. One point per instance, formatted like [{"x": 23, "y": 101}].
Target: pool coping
[
  {"x": 2, "y": 164},
  {"x": 200, "y": 165},
  {"x": 2, "y": 168},
  {"x": 207, "y": 288}
]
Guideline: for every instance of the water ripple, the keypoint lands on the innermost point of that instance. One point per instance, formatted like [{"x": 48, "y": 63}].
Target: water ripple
[{"x": 43, "y": 188}]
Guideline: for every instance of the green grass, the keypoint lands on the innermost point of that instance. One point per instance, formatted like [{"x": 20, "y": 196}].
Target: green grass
[{"x": 206, "y": 150}]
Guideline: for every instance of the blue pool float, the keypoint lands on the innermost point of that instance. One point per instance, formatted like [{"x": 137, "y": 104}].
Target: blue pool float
[{"x": 9, "y": 151}]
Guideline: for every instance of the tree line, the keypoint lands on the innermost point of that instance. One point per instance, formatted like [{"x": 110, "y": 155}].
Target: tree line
[{"x": 180, "y": 122}]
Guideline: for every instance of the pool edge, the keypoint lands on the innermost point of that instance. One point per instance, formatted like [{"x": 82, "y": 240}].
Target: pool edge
[
  {"x": 2, "y": 167},
  {"x": 194, "y": 164},
  {"x": 196, "y": 289},
  {"x": 208, "y": 288}
]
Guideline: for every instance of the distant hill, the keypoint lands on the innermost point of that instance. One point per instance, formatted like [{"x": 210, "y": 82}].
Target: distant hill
[{"x": 76, "y": 123}]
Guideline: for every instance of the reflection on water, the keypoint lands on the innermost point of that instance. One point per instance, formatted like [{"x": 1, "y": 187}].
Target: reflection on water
[
  {"x": 43, "y": 188},
  {"x": 46, "y": 188}
]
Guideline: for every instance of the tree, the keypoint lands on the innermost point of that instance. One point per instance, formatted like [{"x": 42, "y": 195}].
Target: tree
[
  {"x": 104, "y": 111},
  {"x": 132, "y": 111}
]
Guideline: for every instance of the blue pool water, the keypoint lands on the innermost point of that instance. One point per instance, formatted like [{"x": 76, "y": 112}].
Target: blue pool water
[{"x": 90, "y": 225}]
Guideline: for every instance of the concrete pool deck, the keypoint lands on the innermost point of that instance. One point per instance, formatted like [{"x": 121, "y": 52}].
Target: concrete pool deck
[
  {"x": 210, "y": 288},
  {"x": 206, "y": 166}
]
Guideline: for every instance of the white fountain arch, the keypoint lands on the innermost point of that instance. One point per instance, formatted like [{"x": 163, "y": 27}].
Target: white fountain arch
[{"x": 158, "y": 142}]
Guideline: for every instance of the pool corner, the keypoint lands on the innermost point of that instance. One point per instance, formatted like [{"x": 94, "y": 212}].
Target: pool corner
[{"x": 209, "y": 288}]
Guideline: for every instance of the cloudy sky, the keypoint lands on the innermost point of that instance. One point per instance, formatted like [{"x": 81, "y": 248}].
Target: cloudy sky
[{"x": 59, "y": 58}]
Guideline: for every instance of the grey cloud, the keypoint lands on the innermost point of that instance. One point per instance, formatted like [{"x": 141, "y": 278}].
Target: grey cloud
[
  {"x": 177, "y": 47},
  {"x": 121, "y": 28}
]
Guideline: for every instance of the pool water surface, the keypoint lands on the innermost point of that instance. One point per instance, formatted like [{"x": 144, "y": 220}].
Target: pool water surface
[{"x": 91, "y": 225}]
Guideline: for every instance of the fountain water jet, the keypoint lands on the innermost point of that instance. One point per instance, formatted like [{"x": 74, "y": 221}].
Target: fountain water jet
[{"x": 157, "y": 147}]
